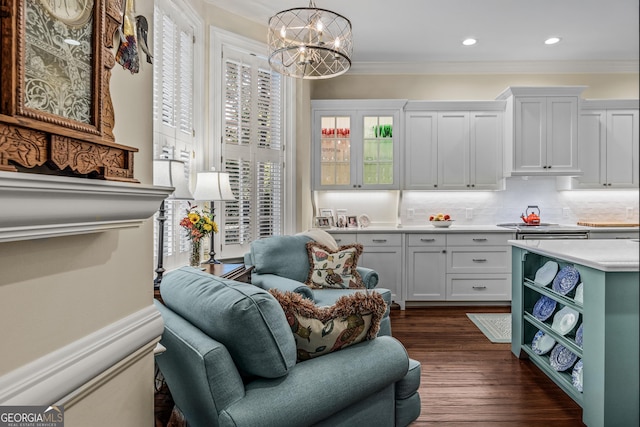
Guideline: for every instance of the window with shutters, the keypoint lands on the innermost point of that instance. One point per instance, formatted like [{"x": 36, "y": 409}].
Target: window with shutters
[
  {"x": 253, "y": 103},
  {"x": 177, "y": 125}
]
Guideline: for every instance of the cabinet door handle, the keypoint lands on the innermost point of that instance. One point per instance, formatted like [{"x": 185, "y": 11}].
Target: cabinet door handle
[
  {"x": 380, "y": 240},
  {"x": 338, "y": 240},
  {"x": 479, "y": 260},
  {"x": 427, "y": 240},
  {"x": 479, "y": 287},
  {"x": 480, "y": 240}
]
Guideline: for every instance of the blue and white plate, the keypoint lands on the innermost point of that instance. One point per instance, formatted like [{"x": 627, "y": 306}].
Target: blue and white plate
[
  {"x": 542, "y": 343},
  {"x": 544, "y": 307},
  {"x": 579, "y": 335},
  {"x": 576, "y": 376},
  {"x": 566, "y": 279},
  {"x": 562, "y": 358},
  {"x": 546, "y": 273}
]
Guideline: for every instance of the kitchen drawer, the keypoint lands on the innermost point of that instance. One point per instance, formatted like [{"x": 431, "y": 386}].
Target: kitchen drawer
[
  {"x": 345, "y": 238},
  {"x": 427, "y": 239},
  {"x": 374, "y": 239},
  {"x": 494, "y": 259},
  {"x": 479, "y": 239},
  {"x": 478, "y": 287}
]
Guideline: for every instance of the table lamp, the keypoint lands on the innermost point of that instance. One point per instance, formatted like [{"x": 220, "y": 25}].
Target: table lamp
[
  {"x": 168, "y": 173},
  {"x": 213, "y": 186}
]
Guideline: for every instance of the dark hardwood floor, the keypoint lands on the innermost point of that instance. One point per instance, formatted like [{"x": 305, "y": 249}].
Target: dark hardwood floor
[{"x": 469, "y": 381}]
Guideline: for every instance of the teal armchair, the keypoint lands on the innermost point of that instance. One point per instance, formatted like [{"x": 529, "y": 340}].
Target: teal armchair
[
  {"x": 230, "y": 361},
  {"x": 282, "y": 263}
]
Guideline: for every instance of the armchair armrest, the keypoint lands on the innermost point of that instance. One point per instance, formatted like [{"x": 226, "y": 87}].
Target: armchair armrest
[
  {"x": 369, "y": 277},
  {"x": 268, "y": 281}
]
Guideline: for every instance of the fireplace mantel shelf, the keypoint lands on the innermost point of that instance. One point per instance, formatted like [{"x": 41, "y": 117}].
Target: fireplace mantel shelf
[{"x": 35, "y": 206}]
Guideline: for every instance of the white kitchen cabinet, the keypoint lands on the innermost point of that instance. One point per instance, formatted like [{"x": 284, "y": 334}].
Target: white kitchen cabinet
[
  {"x": 382, "y": 252},
  {"x": 541, "y": 130},
  {"x": 614, "y": 234},
  {"x": 356, "y": 144},
  {"x": 426, "y": 267},
  {"x": 478, "y": 267},
  {"x": 608, "y": 142},
  {"x": 449, "y": 146}
]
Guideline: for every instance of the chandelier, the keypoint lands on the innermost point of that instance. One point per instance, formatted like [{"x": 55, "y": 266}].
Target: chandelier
[{"x": 310, "y": 43}]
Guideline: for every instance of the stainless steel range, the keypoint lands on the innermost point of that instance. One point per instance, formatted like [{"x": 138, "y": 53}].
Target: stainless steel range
[{"x": 546, "y": 231}]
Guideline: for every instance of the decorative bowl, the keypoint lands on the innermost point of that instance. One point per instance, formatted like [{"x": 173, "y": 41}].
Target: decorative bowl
[{"x": 442, "y": 224}]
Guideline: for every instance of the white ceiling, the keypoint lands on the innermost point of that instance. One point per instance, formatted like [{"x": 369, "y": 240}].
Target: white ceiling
[{"x": 426, "y": 35}]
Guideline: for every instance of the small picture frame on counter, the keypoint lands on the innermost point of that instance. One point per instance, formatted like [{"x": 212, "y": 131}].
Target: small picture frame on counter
[
  {"x": 341, "y": 221},
  {"x": 323, "y": 222},
  {"x": 352, "y": 221},
  {"x": 328, "y": 213}
]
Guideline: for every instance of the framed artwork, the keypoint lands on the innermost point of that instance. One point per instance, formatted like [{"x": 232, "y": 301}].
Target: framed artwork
[
  {"x": 328, "y": 213},
  {"x": 352, "y": 221},
  {"x": 323, "y": 222}
]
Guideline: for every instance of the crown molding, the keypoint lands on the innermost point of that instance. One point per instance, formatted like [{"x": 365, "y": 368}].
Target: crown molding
[{"x": 497, "y": 67}]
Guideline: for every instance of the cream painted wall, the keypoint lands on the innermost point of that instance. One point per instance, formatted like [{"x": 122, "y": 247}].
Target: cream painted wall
[{"x": 55, "y": 291}]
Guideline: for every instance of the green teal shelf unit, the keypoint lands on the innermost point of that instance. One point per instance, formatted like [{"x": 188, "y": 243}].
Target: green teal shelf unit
[{"x": 611, "y": 337}]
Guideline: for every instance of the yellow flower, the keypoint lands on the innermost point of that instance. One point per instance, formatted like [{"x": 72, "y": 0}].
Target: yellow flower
[
  {"x": 207, "y": 227},
  {"x": 193, "y": 217},
  {"x": 215, "y": 227}
]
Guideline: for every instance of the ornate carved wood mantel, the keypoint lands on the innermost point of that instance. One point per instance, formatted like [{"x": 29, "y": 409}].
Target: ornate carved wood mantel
[{"x": 56, "y": 114}]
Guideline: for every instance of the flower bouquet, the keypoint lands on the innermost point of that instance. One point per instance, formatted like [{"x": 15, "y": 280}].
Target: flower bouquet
[{"x": 199, "y": 224}]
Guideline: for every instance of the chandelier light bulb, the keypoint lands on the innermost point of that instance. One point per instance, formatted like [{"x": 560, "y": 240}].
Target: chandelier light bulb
[
  {"x": 336, "y": 43},
  {"x": 283, "y": 31}
]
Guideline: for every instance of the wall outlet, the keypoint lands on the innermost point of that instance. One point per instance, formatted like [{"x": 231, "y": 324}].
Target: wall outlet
[
  {"x": 410, "y": 213},
  {"x": 566, "y": 212},
  {"x": 468, "y": 213}
]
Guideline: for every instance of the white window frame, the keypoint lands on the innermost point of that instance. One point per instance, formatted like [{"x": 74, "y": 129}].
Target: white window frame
[
  {"x": 218, "y": 39},
  {"x": 182, "y": 13}
]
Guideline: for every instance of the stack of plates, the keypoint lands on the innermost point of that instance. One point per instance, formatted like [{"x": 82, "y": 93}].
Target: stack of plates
[
  {"x": 565, "y": 320},
  {"x": 562, "y": 358},
  {"x": 542, "y": 343},
  {"x": 546, "y": 273},
  {"x": 544, "y": 307},
  {"x": 566, "y": 279}
]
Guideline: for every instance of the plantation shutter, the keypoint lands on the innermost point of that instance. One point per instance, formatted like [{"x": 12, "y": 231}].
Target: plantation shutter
[
  {"x": 252, "y": 149},
  {"x": 173, "y": 109}
]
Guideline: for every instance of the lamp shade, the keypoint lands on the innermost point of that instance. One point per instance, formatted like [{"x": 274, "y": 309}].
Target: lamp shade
[
  {"x": 213, "y": 186},
  {"x": 310, "y": 43},
  {"x": 171, "y": 173}
]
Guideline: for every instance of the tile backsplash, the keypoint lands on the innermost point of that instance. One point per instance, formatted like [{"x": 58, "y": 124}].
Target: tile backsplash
[{"x": 493, "y": 207}]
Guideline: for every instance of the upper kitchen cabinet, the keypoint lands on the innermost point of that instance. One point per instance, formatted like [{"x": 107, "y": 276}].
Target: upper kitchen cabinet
[
  {"x": 453, "y": 145},
  {"x": 356, "y": 144},
  {"x": 608, "y": 140},
  {"x": 541, "y": 130}
]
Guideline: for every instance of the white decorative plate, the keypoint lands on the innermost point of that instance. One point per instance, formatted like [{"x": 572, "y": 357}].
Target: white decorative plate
[
  {"x": 546, "y": 273},
  {"x": 364, "y": 220},
  {"x": 542, "y": 343},
  {"x": 578, "y": 297},
  {"x": 565, "y": 320}
]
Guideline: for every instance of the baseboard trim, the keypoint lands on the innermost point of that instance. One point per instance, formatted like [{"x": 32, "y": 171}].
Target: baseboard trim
[{"x": 58, "y": 374}]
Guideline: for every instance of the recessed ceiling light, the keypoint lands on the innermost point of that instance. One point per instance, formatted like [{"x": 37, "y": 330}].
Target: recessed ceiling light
[
  {"x": 469, "y": 42},
  {"x": 552, "y": 40}
]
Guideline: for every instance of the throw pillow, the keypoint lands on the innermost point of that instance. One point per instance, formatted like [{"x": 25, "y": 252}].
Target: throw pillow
[
  {"x": 333, "y": 269},
  {"x": 321, "y": 330}
]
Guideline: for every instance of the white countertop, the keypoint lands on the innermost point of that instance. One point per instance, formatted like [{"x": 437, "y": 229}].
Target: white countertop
[
  {"x": 427, "y": 228},
  {"x": 602, "y": 254}
]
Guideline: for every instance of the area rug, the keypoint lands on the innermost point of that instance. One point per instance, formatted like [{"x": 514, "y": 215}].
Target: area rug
[{"x": 495, "y": 326}]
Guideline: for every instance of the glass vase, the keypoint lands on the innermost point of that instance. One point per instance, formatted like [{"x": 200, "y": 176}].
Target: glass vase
[{"x": 194, "y": 258}]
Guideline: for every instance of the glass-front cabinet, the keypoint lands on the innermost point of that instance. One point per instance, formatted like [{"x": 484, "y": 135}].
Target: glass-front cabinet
[{"x": 356, "y": 144}]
